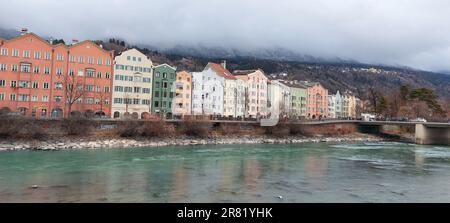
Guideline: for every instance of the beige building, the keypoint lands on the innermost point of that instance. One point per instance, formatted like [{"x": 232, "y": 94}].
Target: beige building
[
  {"x": 132, "y": 85},
  {"x": 256, "y": 96},
  {"x": 183, "y": 94}
]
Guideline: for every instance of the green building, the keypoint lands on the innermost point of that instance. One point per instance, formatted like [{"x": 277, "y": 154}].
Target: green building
[
  {"x": 299, "y": 95},
  {"x": 164, "y": 77}
]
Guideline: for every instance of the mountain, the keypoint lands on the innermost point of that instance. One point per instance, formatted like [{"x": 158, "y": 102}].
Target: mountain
[
  {"x": 8, "y": 33},
  {"x": 334, "y": 73}
]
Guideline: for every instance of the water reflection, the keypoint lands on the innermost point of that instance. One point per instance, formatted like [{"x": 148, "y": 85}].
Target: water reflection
[{"x": 251, "y": 173}]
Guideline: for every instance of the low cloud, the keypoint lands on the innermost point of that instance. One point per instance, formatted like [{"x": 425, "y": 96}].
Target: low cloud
[{"x": 413, "y": 33}]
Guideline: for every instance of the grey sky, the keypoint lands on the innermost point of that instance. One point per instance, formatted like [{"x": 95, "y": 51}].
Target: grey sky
[{"x": 415, "y": 33}]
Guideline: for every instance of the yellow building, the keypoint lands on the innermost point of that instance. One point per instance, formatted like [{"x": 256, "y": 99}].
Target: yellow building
[
  {"x": 132, "y": 85},
  {"x": 183, "y": 94}
]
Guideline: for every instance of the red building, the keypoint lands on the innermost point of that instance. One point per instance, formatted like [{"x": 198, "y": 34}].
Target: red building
[{"x": 40, "y": 79}]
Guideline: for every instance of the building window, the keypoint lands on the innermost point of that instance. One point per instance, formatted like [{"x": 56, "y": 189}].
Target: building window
[
  {"x": 90, "y": 73},
  {"x": 99, "y": 61},
  {"x": 37, "y": 55},
  {"x": 25, "y": 67},
  {"x": 26, "y": 54},
  {"x": 156, "y": 104},
  {"x": 46, "y": 85},
  {"x": 24, "y": 97},
  {"x": 4, "y": 52},
  {"x": 99, "y": 74},
  {"x": 34, "y": 98},
  {"x": 80, "y": 59},
  {"x": 157, "y": 74},
  {"x": 136, "y": 101},
  {"x": 58, "y": 86},
  {"x": 48, "y": 56},
  {"x": 59, "y": 57},
  {"x": 36, "y": 70},
  {"x": 12, "y": 97},
  {"x": 107, "y": 75},
  {"x": 164, "y": 84},
  {"x": 108, "y": 62},
  {"x": 14, "y": 68},
  {"x": 15, "y": 53},
  {"x": 35, "y": 85},
  {"x": 2, "y": 96},
  {"x": 2, "y": 83},
  {"x": 128, "y": 57},
  {"x": 90, "y": 60},
  {"x": 45, "y": 98},
  {"x": 157, "y": 94},
  {"x": 71, "y": 72},
  {"x": 106, "y": 89},
  {"x": 58, "y": 71},
  {"x": 137, "y": 90},
  {"x": 24, "y": 84},
  {"x": 3, "y": 67},
  {"x": 58, "y": 98}
]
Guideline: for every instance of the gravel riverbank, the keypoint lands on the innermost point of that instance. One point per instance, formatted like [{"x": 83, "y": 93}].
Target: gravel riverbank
[{"x": 67, "y": 143}]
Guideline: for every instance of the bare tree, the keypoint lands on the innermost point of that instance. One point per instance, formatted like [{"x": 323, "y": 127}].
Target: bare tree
[{"x": 74, "y": 90}]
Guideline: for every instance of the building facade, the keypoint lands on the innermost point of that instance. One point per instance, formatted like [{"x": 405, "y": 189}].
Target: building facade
[
  {"x": 256, "y": 97},
  {"x": 39, "y": 79},
  {"x": 208, "y": 92},
  {"x": 183, "y": 94},
  {"x": 317, "y": 100},
  {"x": 299, "y": 97},
  {"x": 279, "y": 99},
  {"x": 163, "y": 92},
  {"x": 132, "y": 85}
]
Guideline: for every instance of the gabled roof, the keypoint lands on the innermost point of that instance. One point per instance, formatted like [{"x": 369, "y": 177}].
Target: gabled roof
[
  {"x": 89, "y": 41},
  {"x": 164, "y": 64},
  {"x": 220, "y": 70},
  {"x": 59, "y": 44}
]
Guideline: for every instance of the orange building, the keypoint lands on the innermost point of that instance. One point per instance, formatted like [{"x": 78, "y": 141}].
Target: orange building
[
  {"x": 317, "y": 101},
  {"x": 39, "y": 79}
]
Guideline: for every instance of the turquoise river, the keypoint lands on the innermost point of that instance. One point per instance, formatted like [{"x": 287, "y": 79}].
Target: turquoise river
[{"x": 321, "y": 172}]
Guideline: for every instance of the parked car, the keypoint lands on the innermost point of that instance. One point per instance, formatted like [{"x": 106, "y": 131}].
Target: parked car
[{"x": 419, "y": 120}]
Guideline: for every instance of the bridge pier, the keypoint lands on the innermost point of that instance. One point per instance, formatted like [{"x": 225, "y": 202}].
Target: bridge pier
[{"x": 432, "y": 135}]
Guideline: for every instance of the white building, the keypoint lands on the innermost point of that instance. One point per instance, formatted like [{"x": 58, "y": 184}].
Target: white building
[
  {"x": 332, "y": 106},
  {"x": 132, "y": 85},
  {"x": 207, "y": 92},
  {"x": 279, "y": 97}
]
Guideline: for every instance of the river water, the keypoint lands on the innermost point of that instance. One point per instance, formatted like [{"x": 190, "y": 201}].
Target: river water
[{"x": 321, "y": 172}]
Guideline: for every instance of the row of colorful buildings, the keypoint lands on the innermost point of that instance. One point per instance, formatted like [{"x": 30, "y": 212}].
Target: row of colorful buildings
[{"x": 41, "y": 79}]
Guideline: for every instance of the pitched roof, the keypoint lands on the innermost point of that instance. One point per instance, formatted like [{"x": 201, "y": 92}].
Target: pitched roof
[
  {"x": 241, "y": 77},
  {"x": 59, "y": 44},
  {"x": 293, "y": 84},
  {"x": 220, "y": 70},
  {"x": 244, "y": 72},
  {"x": 164, "y": 64}
]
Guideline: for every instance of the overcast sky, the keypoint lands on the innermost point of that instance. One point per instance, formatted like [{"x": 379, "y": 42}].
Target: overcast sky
[{"x": 414, "y": 33}]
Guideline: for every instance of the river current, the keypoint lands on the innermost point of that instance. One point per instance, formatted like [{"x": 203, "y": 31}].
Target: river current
[{"x": 319, "y": 172}]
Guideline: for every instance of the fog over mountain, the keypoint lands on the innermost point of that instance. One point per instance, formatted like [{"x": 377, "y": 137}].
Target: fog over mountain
[{"x": 413, "y": 33}]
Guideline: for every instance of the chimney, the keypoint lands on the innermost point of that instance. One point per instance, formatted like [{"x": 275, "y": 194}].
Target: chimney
[
  {"x": 224, "y": 64},
  {"x": 23, "y": 31}
]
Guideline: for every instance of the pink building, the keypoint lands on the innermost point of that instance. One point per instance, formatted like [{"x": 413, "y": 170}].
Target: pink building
[{"x": 317, "y": 101}]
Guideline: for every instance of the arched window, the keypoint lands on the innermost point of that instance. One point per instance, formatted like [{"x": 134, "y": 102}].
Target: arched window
[{"x": 116, "y": 114}]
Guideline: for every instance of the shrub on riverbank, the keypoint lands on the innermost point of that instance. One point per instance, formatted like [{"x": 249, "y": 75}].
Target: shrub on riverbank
[
  {"x": 196, "y": 128},
  {"x": 158, "y": 129},
  {"x": 76, "y": 125}
]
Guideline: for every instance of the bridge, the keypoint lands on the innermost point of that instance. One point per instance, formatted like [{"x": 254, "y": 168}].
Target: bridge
[{"x": 425, "y": 132}]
